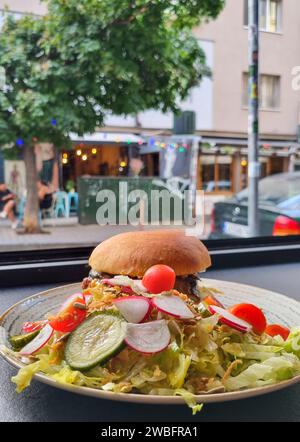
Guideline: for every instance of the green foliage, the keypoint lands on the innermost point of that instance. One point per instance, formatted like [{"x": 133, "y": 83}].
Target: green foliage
[{"x": 90, "y": 57}]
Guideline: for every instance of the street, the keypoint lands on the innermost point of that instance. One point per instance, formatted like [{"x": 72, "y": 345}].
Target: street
[{"x": 62, "y": 235}]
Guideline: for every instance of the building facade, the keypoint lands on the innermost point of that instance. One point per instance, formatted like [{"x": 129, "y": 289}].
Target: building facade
[{"x": 220, "y": 102}]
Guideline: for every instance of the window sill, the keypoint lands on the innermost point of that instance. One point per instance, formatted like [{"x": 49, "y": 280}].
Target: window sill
[
  {"x": 263, "y": 109},
  {"x": 71, "y": 265},
  {"x": 266, "y": 32}
]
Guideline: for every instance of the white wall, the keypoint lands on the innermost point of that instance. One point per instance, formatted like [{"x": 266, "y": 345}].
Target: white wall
[
  {"x": 33, "y": 6},
  {"x": 200, "y": 101}
]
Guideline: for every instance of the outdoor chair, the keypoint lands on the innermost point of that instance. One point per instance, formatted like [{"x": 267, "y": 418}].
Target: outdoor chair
[
  {"x": 73, "y": 202},
  {"x": 20, "y": 209},
  {"x": 61, "y": 204}
]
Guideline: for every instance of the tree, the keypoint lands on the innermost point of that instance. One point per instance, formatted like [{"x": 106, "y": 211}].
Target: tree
[
  {"x": 66, "y": 71},
  {"x": 35, "y": 104}
]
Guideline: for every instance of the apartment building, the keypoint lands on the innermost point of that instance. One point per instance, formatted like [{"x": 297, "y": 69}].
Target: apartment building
[
  {"x": 220, "y": 103},
  {"x": 279, "y": 103},
  {"x": 223, "y": 157}
]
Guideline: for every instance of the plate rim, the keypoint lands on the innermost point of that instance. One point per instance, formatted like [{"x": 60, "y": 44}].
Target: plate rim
[{"x": 150, "y": 399}]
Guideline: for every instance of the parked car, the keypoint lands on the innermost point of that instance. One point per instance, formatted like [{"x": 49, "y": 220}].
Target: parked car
[{"x": 279, "y": 209}]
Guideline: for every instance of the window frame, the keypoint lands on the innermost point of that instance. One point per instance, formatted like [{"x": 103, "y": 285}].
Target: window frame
[
  {"x": 246, "y": 94},
  {"x": 266, "y": 29}
]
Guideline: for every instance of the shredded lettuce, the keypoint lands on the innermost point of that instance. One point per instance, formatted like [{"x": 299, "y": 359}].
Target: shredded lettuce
[
  {"x": 251, "y": 351},
  {"x": 189, "y": 400},
  {"x": 272, "y": 370},
  {"x": 25, "y": 374},
  {"x": 202, "y": 358},
  {"x": 188, "y": 397},
  {"x": 292, "y": 344},
  {"x": 177, "y": 377}
]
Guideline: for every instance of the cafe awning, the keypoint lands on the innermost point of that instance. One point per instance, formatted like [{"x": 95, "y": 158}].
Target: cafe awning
[
  {"x": 243, "y": 142},
  {"x": 107, "y": 137}
]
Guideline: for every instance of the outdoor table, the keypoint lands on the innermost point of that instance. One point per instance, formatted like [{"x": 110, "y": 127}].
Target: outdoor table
[{"x": 44, "y": 403}]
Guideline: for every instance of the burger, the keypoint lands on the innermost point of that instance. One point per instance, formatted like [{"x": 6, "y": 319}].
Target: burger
[{"x": 133, "y": 253}]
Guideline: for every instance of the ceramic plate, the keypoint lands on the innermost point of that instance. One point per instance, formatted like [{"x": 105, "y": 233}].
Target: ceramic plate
[{"x": 278, "y": 309}]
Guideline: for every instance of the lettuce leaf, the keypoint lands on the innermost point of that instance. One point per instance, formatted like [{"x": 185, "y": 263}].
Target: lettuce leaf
[
  {"x": 188, "y": 397},
  {"x": 292, "y": 344},
  {"x": 25, "y": 374},
  {"x": 177, "y": 376},
  {"x": 190, "y": 400},
  {"x": 272, "y": 370},
  {"x": 251, "y": 351}
]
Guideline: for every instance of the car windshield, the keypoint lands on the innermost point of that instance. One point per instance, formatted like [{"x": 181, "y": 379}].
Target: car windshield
[{"x": 278, "y": 190}]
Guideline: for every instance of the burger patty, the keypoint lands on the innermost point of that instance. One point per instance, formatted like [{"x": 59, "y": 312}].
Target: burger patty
[
  {"x": 184, "y": 284},
  {"x": 188, "y": 285}
]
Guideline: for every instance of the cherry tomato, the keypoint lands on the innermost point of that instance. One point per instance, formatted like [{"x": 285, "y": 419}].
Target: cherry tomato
[
  {"x": 251, "y": 314},
  {"x": 29, "y": 327},
  {"x": 276, "y": 329},
  {"x": 70, "y": 316},
  {"x": 159, "y": 278},
  {"x": 211, "y": 300}
]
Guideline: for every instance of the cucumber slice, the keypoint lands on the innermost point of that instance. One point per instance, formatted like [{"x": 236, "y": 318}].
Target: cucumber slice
[
  {"x": 95, "y": 341},
  {"x": 19, "y": 341}
]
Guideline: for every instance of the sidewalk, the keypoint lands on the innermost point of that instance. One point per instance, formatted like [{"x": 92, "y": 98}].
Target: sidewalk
[{"x": 61, "y": 236}]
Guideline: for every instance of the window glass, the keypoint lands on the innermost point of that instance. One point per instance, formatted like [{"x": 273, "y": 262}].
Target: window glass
[
  {"x": 269, "y": 91},
  {"x": 263, "y": 14},
  {"x": 269, "y": 15},
  {"x": 274, "y": 16},
  {"x": 141, "y": 111},
  {"x": 4, "y": 14}
]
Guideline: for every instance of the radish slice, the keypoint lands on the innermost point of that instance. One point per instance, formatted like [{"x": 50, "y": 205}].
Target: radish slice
[
  {"x": 70, "y": 301},
  {"x": 38, "y": 342},
  {"x": 231, "y": 320},
  {"x": 148, "y": 338},
  {"x": 134, "y": 309},
  {"x": 172, "y": 305},
  {"x": 29, "y": 327}
]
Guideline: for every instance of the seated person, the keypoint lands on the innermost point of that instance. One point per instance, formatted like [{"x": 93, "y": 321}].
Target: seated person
[
  {"x": 7, "y": 205},
  {"x": 45, "y": 195}
]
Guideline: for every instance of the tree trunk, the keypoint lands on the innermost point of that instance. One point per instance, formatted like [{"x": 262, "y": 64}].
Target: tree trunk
[{"x": 31, "y": 213}]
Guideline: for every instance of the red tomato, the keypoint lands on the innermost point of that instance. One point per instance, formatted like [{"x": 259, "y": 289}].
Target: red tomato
[
  {"x": 275, "y": 329},
  {"x": 211, "y": 300},
  {"x": 29, "y": 327},
  {"x": 70, "y": 316},
  {"x": 251, "y": 314},
  {"x": 159, "y": 278}
]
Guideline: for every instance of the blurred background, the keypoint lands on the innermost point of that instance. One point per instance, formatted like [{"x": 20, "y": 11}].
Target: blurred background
[{"x": 196, "y": 139}]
